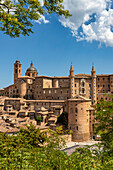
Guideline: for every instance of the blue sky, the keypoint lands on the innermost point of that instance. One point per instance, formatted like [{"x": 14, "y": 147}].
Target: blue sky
[{"x": 52, "y": 48}]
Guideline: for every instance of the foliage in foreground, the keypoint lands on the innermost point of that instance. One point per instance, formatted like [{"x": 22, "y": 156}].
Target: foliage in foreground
[
  {"x": 32, "y": 149},
  {"x": 63, "y": 120},
  {"x": 104, "y": 124},
  {"x": 16, "y": 16}
]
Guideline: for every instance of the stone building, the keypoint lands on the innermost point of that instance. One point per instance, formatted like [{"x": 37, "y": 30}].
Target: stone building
[
  {"x": 74, "y": 94},
  {"x": 1, "y": 92}
]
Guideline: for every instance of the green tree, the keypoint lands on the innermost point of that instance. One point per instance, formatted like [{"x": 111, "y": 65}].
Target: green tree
[
  {"x": 31, "y": 136},
  {"x": 63, "y": 120},
  {"x": 104, "y": 126},
  {"x": 23, "y": 151},
  {"x": 16, "y": 16}
]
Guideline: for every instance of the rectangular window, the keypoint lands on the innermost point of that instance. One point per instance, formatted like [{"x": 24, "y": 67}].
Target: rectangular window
[
  {"x": 76, "y": 110},
  {"x": 75, "y": 85},
  {"x": 89, "y": 84},
  {"x": 75, "y": 91}
]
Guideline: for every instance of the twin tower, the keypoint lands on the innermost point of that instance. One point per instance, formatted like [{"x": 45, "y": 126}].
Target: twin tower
[{"x": 83, "y": 84}]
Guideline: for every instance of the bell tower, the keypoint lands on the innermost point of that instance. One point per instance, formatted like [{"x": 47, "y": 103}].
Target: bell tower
[{"x": 17, "y": 70}]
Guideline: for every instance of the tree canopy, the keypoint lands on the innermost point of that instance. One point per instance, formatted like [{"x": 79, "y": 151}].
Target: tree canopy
[
  {"x": 104, "y": 124},
  {"x": 17, "y": 16},
  {"x": 63, "y": 120},
  {"x": 30, "y": 149}
]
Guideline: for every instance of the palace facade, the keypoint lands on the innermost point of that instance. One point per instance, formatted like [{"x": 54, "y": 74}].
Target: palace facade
[{"x": 75, "y": 93}]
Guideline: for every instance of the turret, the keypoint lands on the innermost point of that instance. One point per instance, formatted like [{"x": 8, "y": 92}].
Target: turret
[
  {"x": 93, "y": 85},
  {"x": 17, "y": 70},
  {"x": 71, "y": 76},
  {"x": 93, "y": 72},
  {"x": 71, "y": 70}
]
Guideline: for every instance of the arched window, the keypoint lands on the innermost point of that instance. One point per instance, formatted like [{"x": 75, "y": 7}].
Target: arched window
[
  {"x": 83, "y": 90},
  {"x": 76, "y": 110},
  {"x": 83, "y": 84}
]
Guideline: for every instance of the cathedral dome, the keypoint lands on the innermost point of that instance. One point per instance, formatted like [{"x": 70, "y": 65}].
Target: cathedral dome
[
  {"x": 31, "y": 71},
  {"x": 31, "y": 68}
]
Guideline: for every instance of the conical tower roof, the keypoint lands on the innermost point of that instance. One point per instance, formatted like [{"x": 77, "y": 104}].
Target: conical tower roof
[
  {"x": 71, "y": 67},
  {"x": 93, "y": 68}
]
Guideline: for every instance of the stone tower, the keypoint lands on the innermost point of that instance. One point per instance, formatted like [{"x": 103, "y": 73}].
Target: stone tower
[
  {"x": 17, "y": 70},
  {"x": 71, "y": 77},
  {"x": 93, "y": 85},
  {"x": 78, "y": 118}
]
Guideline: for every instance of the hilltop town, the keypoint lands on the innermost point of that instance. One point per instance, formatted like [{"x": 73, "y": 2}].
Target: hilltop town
[{"x": 41, "y": 99}]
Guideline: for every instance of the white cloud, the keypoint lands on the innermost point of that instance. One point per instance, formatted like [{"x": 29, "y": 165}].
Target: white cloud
[
  {"x": 41, "y": 2},
  {"x": 83, "y": 27},
  {"x": 42, "y": 19}
]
